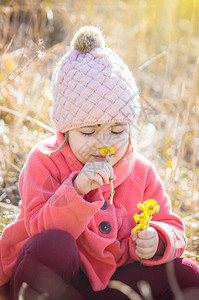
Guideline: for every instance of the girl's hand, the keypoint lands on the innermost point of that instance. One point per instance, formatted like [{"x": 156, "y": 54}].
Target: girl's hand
[
  {"x": 146, "y": 242},
  {"x": 93, "y": 175}
]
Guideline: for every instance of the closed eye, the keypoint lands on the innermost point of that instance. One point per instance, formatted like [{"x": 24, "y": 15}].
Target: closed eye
[
  {"x": 117, "y": 132},
  {"x": 88, "y": 133}
]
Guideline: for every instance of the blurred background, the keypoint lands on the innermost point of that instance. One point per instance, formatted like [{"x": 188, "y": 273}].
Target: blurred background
[{"x": 158, "y": 39}]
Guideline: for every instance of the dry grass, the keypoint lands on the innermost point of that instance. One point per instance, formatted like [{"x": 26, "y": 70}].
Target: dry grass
[{"x": 159, "y": 40}]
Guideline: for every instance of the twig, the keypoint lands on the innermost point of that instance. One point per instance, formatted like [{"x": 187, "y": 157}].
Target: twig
[
  {"x": 173, "y": 282},
  {"x": 18, "y": 114},
  {"x": 145, "y": 290},
  {"x": 191, "y": 217},
  {"x": 150, "y": 61},
  {"x": 3, "y": 196},
  {"x": 13, "y": 165},
  {"x": 22, "y": 290},
  {"x": 8, "y": 46},
  {"x": 125, "y": 289},
  {"x": 17, "y": 71}
]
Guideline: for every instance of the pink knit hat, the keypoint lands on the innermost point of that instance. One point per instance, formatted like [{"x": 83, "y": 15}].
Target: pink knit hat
[{"x": 92, "y": 85}]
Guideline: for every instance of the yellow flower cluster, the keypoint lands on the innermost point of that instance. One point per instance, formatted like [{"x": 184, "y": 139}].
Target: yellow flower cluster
[
  {"x": 107, "y": 150},
  {"x": 149, "y": 207}
]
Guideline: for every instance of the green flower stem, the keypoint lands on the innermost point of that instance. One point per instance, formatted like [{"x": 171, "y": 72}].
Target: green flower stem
[
  {"x": 112, "y": 192},
  {"x": 111, "y": 183}
]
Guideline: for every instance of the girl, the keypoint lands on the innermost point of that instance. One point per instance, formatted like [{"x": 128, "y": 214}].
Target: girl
[{"x": 69, "y": 241}]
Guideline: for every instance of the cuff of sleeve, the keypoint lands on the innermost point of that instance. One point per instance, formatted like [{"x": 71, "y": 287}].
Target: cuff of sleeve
[
  {"x": 170, "y": 238},
  {"x": 161, "y": 245}
]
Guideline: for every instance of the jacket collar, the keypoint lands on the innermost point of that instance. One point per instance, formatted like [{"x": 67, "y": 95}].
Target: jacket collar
[{"x": 121, "y": 169}]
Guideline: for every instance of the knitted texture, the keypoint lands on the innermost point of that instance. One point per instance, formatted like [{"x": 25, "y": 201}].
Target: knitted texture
[{"x": 93, "y": 88}]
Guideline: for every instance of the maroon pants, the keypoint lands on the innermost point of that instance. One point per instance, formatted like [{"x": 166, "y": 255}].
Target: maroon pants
[{"x": 49, "y": 262}]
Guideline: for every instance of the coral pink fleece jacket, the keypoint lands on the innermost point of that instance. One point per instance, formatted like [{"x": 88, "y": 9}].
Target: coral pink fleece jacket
[{"x": 49, "y": 200}]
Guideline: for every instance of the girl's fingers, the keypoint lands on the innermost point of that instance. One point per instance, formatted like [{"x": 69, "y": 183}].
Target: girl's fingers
[
  {"x": 147, "y": 234},
  {"x": 133, "y": 235},
  {"x": 146, "y": 248},
  {"x": 104, "y": 174},
  {"x": 95, "y": 178},
  {"x": 87, "y": 181},
  {"x": 144, "y": 255},
  {"x": 144, "y": 251},
  {"x": 110, "y": 169},
  {"x": 144, "y": 243},
  {"x": 100, "y": 165},
  {"x": 114, "y": 177},
  {"x": 104, "y": 169},
  {"x": 92, "y": 176}
]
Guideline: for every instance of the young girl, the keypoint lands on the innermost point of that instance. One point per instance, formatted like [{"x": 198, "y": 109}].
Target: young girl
[{"x": 69, "y": 241}]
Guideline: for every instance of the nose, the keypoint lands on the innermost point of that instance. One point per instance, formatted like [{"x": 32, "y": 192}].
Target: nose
[{"x": 103, "y": 140}]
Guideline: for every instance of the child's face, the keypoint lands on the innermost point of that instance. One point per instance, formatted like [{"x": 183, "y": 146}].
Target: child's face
[{"x": 86, "y": 142}]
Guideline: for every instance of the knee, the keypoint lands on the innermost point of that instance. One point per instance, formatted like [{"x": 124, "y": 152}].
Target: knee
[
  {"x": 47, "y": 260},
  {"x": 56, "y": 249},
  {"x": 187, "y": 272}
]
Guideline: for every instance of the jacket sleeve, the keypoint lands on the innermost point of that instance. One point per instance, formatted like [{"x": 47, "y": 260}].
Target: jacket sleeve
[
  {"x": 50, "y": 204},
  {"x": 169, "y": 226}
]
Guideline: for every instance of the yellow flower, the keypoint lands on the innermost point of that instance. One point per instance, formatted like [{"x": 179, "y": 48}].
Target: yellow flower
[
  {"x": 141, "y": 218},
  {"x": 107, "y": 150},
  {"x": 140, "y": 206},
  {"x": 150, "y": 207},
  {"x": 136, "y": 218},
  {"x": 137, "y": 228}
]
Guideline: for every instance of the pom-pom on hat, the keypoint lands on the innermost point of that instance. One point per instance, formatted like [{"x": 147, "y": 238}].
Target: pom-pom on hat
[{"x": 92, "y": 85}]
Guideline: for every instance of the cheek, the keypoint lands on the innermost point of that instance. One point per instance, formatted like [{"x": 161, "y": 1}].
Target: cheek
[
  {"x": 81, "y": 147},
  {"x": 75, "y": 143},
  {"x": 120, "y": 146},
  {"x": 121, "y": 142},
  {"x": 122, "y": 149}
]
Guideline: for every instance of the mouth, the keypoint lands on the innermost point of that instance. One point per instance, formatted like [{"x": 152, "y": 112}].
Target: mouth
[{"x": 101, "y": 157}]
